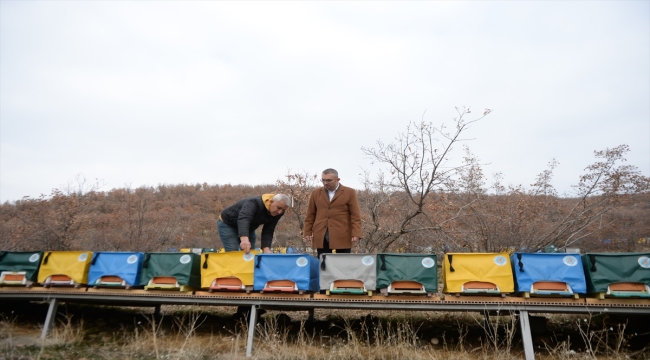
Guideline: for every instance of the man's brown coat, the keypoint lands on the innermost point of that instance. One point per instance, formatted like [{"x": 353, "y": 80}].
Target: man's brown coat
[{"x": 341, "y": 216}]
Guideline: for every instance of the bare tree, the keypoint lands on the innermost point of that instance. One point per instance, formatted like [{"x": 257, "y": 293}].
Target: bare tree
[
  {"x": 419, "y": 165},
  {"x": 605, "y": 185},
  {"x": 54, "y": 222},
  {"x": 516, "y": 218},
  {"x": 298, "y": 185},
  {"x": 423, "y": 197}
]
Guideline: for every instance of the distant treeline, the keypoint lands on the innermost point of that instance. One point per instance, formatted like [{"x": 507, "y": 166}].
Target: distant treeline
[
  {"x": 418, "y": 201},
  {"x": 177, "y": 216}
]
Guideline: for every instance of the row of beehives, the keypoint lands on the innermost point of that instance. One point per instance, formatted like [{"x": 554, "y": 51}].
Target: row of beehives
[{"x": 538, "y": 274}]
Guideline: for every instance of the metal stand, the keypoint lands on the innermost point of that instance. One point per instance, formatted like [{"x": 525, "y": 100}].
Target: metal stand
[
  {"x": 251, "y": 330},
  {"x": 49, "y": 319},
  {"x": 311, "y": 315},
  {"x": 156, "y": 311},
  {"x": 529, "y": 351}
]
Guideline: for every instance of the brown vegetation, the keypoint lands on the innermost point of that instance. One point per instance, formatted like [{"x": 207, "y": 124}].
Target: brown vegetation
[
  {"x": 176, "y": 216},
  {"x": 419, "y": 201},
  {"x": 448, "y": 206}
]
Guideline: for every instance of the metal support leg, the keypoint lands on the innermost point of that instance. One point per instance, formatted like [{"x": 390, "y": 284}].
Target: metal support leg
[
  {"x": 529, "y": 351},
  {"x": 156, "y": 311},
  {"x": 251, "y": 330},
  {"x": 49, "y": 319},
  {"x": 311, "y": 315}
]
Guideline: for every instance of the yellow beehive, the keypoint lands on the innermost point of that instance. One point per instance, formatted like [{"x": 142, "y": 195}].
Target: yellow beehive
[
  {"x": 73, "y": 264},
  {"x": 461, "y": 269},
  {"x": 235, "y": 264}
]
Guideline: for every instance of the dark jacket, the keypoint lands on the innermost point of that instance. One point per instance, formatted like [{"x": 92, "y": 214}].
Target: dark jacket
[{"x": 247, "y": 215}]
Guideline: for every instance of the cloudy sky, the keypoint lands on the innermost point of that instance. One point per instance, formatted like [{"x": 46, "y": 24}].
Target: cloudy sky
[{"x": 169, "y": 92}]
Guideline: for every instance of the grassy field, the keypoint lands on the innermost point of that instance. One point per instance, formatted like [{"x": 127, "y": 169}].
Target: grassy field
[{"x": 184, "y": 332}]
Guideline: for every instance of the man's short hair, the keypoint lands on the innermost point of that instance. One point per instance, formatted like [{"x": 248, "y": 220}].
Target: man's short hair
[
  {"x": 283, "y": 198},
  {"x": 331, "y": 171}
]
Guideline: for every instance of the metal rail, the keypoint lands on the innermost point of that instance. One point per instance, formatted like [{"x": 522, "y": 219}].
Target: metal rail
[{"x": 310, "y": 301}]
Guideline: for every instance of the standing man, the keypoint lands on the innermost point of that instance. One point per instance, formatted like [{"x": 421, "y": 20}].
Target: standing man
[
  {"x": 333, "y": 218},
  {"x": 237, "y": 223}
]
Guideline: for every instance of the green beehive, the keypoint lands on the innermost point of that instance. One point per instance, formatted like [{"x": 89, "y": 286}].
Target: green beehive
[
  {"x": 19, "y": 268},
  {"x": 407, "y": 274},
  {"x": 617, "y": 274},
  {"x": 171, "y": 271}
]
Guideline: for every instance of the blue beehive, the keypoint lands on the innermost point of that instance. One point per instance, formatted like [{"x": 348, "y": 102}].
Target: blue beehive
[
  {"x": 545, "y": 274},
  {"x": 286, "y": 273},
  {"x": 115, "y": 269}
]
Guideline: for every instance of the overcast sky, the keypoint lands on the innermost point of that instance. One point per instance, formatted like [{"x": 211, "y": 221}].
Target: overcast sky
[{"x": 170, "y": 92}]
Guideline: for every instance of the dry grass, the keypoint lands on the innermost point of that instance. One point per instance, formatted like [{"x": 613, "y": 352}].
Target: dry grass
[
  {"x": 86, "y": 332},
  {"x": 394, "y": 341},
  {"x": 7, "y": 326}
]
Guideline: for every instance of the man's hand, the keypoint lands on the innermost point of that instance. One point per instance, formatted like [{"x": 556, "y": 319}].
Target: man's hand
[
  {"x": 267, "y": 250},
  {"x": 244, "y": 244},
  {"x": 309, "y": 237},
  {"x": 355, "y": 239}
]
